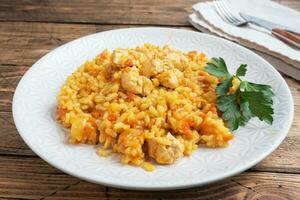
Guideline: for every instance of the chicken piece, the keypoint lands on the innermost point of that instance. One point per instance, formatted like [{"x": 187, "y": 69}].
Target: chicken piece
[
  {"x": 179, "y": 60},
  {"x": 118, "y": 56},
  {"x": 108, "y": 70},
  {"x": 83, "y": 131},
  {"x": 151, "y": 67},
  {"x": 167, "y": 151},
  {"x": 122, "y": 58},
  {"x": 171, "y": 78},
  {"x": 133, "y": 82}
]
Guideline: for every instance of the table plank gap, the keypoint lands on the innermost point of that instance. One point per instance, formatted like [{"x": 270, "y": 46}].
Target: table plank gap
[{"x": 33, "y": 178}]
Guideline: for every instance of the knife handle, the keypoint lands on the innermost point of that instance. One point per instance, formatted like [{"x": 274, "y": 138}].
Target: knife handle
[{"x": 286, "y": 36}]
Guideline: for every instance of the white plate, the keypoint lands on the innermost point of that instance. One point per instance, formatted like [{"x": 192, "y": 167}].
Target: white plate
[{"x": 34, "y": 107}]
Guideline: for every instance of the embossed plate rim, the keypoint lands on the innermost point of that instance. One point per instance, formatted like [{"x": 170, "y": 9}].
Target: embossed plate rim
[{"x": 144, "y": 180}]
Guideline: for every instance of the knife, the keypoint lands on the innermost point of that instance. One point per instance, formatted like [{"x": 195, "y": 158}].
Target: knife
[{"x": 282, "y": 32}]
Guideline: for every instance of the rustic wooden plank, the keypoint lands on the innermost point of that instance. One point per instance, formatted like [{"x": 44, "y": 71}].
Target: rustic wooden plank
[
  {"x": 25, "y": 43},
  {"x": 9, "y": 78},
  {"x": 32, "y": 178},
  {"x": 158, "y": 12},
  {"x": 295, "y": 4},
  {"x": 10, "y": 140},
  {"x": 164, "y": 12}
]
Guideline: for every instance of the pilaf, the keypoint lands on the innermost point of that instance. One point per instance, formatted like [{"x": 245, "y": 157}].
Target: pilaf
[{"x": 147, "y": 103}]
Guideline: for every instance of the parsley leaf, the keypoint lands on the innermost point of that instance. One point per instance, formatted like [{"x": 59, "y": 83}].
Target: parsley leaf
[
  {"x": 253, "y": 87},
  {"x": 231, "y": 112},
  {"x": 245, "y": 110},
  {"x": 241, "y": 71},
  {"x": 217, "y": 67},
  {"x": 224, "y": 86},
  {"x": 247, "y": 101},
  {"x": 260, "y": 105}
]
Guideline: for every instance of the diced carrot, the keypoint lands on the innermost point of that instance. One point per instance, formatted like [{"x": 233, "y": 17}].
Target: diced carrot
[
  {"x": 207, "y": 128},
  {"x": 202, "y": 115},
  {"x": 96, "y": 114},
  {"x": 132, "y": 122},
  {"x": 92, "y": 121},
  {"x": 93, "y": 72},
  {"x": 213, "y": 109},
  {"x": 112, "y": 118},
  {"x": 187, "y": 131},
  {"x": 87, "y": 131},
  {"x": 192, "y": 54},
  {"x": 191, "y": 122},
  {"x": 61, "y": 112},
  {"x": 176, "y": 115},
  {"x": 128, "y": 63},
  {"x": 99, "y": 60},
  {"x": 101, "y": 57},
  {"x": 131, "y": 96},
  {"x": 205, "y": 89},
  {"x": 188, "y": 134},
  {"x": 204, "y": 81},
  {"x": 227, "y": 137},
  {"x": 202, "y": 73}
]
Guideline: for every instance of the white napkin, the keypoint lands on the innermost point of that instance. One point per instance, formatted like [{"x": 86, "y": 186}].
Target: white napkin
[
  {"x": 251, "y": 35},
  {"x": 276, "y": 62}
]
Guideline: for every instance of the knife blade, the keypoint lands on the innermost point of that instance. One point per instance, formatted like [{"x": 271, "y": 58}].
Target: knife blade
[{"x": 266, "y": 24}]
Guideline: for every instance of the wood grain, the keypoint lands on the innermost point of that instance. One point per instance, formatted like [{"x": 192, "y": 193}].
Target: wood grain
[
  {"x": 37, "y": 180},
  {"x": 164, "y": 12},
  {"x": 146, "y": 12},
  {"x": 25, "y": 43},
  {"x": 295, "y": 4}
]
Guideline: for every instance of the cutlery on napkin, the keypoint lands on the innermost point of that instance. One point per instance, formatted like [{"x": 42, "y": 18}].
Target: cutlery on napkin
[{"x": 287, "y": 58}]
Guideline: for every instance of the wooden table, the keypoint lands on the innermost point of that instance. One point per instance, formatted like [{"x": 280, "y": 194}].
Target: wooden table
[{"x": 30, "y": 29}]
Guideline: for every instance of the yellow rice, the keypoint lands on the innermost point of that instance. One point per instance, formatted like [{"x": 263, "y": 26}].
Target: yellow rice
[{"x": 95, "y": 104}]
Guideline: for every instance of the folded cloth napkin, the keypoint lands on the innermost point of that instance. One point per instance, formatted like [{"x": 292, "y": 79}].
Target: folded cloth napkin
[{"x": 206, "y": 18}]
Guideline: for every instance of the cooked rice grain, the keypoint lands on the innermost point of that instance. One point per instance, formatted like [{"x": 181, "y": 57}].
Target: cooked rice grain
[{"x": 125, "y": 98}]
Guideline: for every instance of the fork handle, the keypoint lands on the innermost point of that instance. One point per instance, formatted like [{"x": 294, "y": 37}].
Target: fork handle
[{"x": 287, "y": 36}]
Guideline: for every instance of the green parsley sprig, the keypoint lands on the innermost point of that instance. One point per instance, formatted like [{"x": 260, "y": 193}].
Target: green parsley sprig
[{"x": 249, "y": 100}]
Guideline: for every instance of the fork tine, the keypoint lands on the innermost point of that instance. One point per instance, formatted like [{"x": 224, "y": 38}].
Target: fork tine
[
  {"x": 222, "y": 13},
  {"x": 226, "y": 14},
  {"x": 229, "y": 12}
]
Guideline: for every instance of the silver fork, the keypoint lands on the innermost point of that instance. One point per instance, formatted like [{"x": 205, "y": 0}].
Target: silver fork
[
  {"x": 227, "y": 15},
  {"x": 236, "y": 19}
]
